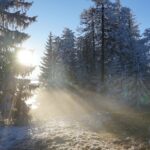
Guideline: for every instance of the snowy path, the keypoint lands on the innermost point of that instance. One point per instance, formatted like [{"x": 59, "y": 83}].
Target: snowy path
[{"x": 63, "y": 134}]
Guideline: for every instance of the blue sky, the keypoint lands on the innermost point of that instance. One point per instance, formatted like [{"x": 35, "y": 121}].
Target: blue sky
[{"x": 54, "y": 15}]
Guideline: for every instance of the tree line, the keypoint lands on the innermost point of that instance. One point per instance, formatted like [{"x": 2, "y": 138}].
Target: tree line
[{"x": 109, "y": 55}]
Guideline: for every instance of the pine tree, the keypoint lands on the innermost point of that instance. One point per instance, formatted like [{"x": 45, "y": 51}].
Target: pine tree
[
  {"x": 13, "y": 20},
  {"x": 48, "y": 64},
  {"x": 118, "y": 49},
  {"x": 104, "y": 19},
  {"x": 68, "y": 54}
]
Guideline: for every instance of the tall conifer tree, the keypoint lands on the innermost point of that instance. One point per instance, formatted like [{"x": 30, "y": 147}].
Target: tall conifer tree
[{"x": 14, "y": 91}]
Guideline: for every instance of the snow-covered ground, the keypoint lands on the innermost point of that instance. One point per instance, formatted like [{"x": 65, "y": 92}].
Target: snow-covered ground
[
  {"x": 10, "y": 135},
  {"x": 65, "y": 133}
]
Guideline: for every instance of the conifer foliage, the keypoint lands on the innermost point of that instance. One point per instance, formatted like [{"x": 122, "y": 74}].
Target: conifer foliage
[
  {"x": 109, "y": 55},
  {"x": 13, "y": 90},
  {"x": 48, "y": 65}
]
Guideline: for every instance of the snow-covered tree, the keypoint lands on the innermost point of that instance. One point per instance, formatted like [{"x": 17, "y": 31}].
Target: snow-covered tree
[
  {"x": 109, "y": 55},
  {"x": 68, "y": 53},
  {"x": 13, "y": 20},
  {"x": 48, "y": 64}
]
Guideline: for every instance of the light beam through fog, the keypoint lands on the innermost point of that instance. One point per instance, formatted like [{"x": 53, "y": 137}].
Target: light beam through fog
[{"x": 88, "y": 90}]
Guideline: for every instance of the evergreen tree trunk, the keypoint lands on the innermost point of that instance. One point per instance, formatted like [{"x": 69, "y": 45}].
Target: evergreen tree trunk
[
  {"x": 103, "y": 50},
  {"x": 93, "y": 40}
]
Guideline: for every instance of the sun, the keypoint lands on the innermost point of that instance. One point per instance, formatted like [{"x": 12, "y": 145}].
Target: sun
[{"x": 25, "y": 57}]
